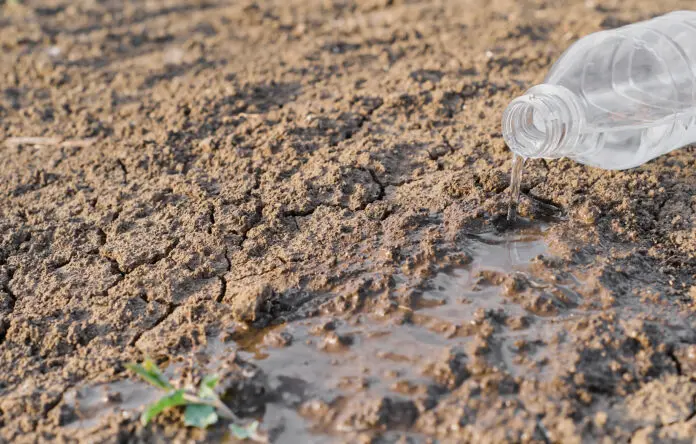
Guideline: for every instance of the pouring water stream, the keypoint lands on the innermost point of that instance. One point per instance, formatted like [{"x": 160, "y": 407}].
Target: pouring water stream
[{"x": 515, "y": 181}]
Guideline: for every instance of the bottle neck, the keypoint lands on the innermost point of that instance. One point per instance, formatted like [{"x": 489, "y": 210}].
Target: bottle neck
[{"x": 544, "y": 122}]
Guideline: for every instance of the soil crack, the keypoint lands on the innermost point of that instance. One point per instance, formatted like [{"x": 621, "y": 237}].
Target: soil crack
[
  {"x": 223, "y": 278},
  {"x": 382, "y": 190},
  {"x": 245, "y": 233},
  {"x": 170, "y": 309},
  {"x": 50, "y": 406},
  {"x": 675, "y": 360},
  {"x": 4, "y": 325},
  {"x": 165, "y": 254},
  {"x": 6, "y": 287},
  {"x": 211, "y": 217},
  {"x": 124, "y": 170}
]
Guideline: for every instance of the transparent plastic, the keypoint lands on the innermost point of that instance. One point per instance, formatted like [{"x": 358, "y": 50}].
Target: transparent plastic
[{"x": 615, "y": 99}]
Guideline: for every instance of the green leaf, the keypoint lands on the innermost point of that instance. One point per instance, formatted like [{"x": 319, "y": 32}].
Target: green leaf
[
  {"x": 207, "y": 388},
  {"x": 200, "y": 415},
  {"x": 248, "y": 431},
  {"x": 172, "y": 399},
  {"x": 210, "y": 381},
  {"x": 149, "y": 371}
]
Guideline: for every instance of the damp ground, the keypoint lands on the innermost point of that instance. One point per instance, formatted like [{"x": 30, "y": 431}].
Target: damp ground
[
  {"x": 321, "y": 370},
  {"x": 308, "y": 198}
]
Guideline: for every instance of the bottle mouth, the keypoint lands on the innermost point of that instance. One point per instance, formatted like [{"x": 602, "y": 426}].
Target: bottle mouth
[
  {"x": 524, "y": 128},
  {"x": 540, "y": 123}
]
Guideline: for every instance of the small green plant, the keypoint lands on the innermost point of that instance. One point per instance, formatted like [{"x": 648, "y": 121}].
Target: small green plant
[{"x": 203, "y": 407}]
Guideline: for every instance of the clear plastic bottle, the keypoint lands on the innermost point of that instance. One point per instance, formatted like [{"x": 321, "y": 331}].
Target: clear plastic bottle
[{"x": 615, "y": 99}]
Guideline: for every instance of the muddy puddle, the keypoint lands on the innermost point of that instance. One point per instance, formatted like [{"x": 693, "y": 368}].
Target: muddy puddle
[
  {"x": 329, "y": 375},
  {"x": 333, "y": 370}
]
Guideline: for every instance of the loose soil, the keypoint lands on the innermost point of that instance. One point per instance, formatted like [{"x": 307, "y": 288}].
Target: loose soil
[{"x": 308, "y": 198}]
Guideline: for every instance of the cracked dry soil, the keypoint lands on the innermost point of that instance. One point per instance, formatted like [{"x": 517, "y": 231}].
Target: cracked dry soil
[{"x": 266, "y": 184}]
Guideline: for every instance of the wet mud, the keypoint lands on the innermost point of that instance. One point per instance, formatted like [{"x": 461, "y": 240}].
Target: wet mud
[{"x": 309, "y": 199}]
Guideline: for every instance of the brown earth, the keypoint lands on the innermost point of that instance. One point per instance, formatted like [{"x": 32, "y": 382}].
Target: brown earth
[{"x": 234, "y": 183}]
